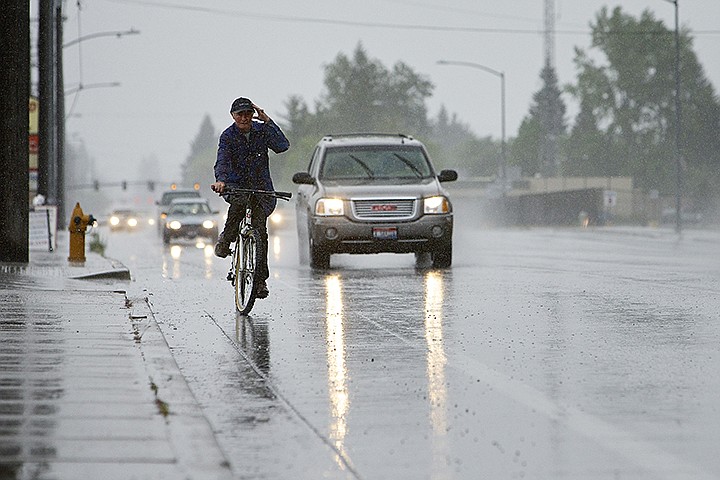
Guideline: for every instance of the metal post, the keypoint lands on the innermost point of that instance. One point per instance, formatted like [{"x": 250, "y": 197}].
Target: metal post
[
  {"x": 47, "y": 91},
  {"x": 678, "y": 126},
  {"x": 59, "y": 117}
]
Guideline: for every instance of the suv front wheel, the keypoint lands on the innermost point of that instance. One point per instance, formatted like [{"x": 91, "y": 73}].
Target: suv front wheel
[{"x": 442, "y": 256}]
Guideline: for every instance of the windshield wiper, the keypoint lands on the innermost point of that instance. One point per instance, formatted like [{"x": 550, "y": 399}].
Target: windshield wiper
[
  {"x": 367, "y": 169},
  {"x": 412, "y": 166}
]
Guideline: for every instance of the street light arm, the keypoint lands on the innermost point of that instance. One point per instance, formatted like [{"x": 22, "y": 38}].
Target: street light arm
[
  {"x": 118, "y": 34},
  {"x": 472, "y": 64},
  {"x": 91, "y": 85}
]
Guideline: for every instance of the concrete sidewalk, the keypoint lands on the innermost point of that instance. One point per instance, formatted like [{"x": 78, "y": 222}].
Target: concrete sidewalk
[{"x": 88, "y": 386}]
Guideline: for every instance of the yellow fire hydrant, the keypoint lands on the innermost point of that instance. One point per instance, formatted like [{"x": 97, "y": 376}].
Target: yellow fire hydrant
[{"x": 78, "y": 225}]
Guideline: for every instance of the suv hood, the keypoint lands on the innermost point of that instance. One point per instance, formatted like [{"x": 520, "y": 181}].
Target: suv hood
[{"x": 415, "y": 189}]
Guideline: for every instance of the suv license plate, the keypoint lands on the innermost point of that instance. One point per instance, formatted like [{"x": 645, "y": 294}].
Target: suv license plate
[{"x": 385, "y": 233}]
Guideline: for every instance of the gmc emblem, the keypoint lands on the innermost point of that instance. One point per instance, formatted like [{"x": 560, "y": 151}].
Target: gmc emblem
[{"x": 384, "y": 208}]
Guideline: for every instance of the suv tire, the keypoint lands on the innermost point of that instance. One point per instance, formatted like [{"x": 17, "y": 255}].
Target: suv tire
[
  {"x": 442, "y": 257},
  {"x": 319, "y": 258}
]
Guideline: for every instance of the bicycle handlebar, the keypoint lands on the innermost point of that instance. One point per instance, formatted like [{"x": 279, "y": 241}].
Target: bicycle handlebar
[{"x": 281, "y": 195}]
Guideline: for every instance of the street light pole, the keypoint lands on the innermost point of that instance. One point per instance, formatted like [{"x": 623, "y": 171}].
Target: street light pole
[
  {"x": 501, "y": 75},
  {"x": 678, "y": 126}
]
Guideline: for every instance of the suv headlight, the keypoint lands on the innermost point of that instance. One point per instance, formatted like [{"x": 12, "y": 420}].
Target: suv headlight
[
  {"x": 175, "y": 225},
  {"x": 435, "y": 205},
  {"x": 208, "y": 224},
  {"x": 329, "y": 207}
]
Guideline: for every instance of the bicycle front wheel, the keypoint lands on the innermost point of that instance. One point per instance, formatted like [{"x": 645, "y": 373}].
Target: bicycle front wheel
[{"x": 246, "y": 262}]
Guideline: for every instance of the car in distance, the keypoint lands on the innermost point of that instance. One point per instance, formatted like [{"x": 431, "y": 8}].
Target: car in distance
[
  {"x": 124, "y": 219},
  {"x": 170, "y": 195},
  {"x": 373, "y": 193},
  {"x": 279, "y": 219},
  {"x": 190, "y": 218}
]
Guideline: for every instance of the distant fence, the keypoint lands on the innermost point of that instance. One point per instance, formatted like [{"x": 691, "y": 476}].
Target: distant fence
[{"x": 557, "y": 201}]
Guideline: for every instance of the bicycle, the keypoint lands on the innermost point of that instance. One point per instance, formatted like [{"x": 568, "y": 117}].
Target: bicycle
[{"x": 248, "y": 248}]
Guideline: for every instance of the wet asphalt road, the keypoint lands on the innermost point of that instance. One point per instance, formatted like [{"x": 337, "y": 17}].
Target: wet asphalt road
[{"x": 543, "y": 354}]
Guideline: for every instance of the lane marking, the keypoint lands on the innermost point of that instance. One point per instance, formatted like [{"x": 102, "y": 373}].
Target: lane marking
[{"x": 638, "y": 451}]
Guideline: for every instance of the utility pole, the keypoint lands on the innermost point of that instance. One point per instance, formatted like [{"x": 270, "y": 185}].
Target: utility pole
[
  {"x": 549, "y": 40},
  {"x": 549, "y": 146},
  {"x": 14, "y": 150},
  {"x": 52, "y": 112},
  {"x": 47, "y": 90},
  {"x": 59, "y": 116}
]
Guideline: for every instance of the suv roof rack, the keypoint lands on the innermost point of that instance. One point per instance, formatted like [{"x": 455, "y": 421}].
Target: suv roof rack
[{"x": 330, "y": 137}]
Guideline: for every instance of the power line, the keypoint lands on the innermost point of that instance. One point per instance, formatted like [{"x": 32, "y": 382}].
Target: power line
[{"x": 393, "y": 26}]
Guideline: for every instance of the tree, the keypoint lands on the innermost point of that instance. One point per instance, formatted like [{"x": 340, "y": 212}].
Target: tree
[
  {"x": 362, "y": 95},
  {"x": 536, "y": 148},
  {"x": 198, "y": 166},
  {"x": 627, "y": 84},
  {"x": 585, "y": 149},
  {"x": 452, "y": 145}
]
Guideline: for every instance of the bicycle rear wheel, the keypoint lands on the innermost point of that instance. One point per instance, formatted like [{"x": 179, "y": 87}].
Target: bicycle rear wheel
[{"x": 246, "y": 262}]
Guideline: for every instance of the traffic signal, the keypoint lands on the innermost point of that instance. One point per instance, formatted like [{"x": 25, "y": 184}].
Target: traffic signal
[
  {"x": 124, "y": 185},
  {"x": 96, "y": 185},
  {"x": 151, "y": 186}
]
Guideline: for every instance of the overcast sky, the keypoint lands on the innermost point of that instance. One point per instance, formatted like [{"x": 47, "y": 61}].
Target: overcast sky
[{"x": 193, "y": 58}]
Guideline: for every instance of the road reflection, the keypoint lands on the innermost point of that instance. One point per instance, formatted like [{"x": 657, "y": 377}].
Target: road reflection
[
  {"x": 252, "y": 337},
  {"x": 436, "y": 362},
  {"x": 337, "y": 371},
  {"x": 171, "y": 267},
  {"x": 275, "y": 247}
]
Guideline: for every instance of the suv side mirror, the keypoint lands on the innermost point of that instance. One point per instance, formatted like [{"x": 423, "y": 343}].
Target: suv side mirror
[
  {"x": 303, "y": 178},
  {"x": 447, "y": 176}
]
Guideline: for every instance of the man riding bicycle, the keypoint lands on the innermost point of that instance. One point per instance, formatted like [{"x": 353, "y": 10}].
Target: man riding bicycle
[{"x": 242, "y": 162}]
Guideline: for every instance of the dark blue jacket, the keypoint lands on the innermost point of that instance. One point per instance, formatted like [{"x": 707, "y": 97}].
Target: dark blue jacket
[{"x": 244, "y": 162}]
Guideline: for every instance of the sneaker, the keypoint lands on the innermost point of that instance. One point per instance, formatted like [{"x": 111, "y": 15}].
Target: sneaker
[
  {"x": 222, "y": 249},
  {"x": 262, "y": 290}
]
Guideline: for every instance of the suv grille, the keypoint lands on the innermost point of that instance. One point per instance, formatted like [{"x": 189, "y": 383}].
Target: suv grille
[{"x": 382, "y": 209}]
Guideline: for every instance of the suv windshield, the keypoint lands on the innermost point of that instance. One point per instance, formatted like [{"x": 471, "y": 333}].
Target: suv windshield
[{"x": 374, "y": 163}]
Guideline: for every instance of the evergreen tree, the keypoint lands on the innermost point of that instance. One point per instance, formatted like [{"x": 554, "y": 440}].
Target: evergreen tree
[
  {"x": 536, "y": 148},
  {"x": 198, "y": 166}
]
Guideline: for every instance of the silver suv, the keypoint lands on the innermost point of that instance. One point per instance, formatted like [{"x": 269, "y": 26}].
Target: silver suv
[{"x": 372, "y": 193}]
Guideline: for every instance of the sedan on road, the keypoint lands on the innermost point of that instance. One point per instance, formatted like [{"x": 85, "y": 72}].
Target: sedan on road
[
  {"x": 190, "y": 218},
  {"x": 124, "y": 219}
]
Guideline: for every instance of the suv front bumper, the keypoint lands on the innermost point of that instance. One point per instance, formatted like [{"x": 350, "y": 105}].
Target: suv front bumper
[{"x": 342, "y": 235}]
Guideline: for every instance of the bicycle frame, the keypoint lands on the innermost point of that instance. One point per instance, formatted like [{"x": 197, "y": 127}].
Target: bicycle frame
[{"x": 247, "y": 251}]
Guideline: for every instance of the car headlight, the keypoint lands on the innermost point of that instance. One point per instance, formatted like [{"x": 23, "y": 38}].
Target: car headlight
[
  {"x": 132, "y": 222},
  {"x": 114, "y": 220},
  {"x": 175, "y": 225},
  {"x": 208, "y": 224},
  {"x": 276, "y": 218},
  {"x": 435, "y": 205},
  {"x": 329, "y": 207}
]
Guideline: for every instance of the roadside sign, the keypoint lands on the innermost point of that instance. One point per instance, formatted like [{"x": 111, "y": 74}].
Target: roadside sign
[{"x": 610, "y": 198}]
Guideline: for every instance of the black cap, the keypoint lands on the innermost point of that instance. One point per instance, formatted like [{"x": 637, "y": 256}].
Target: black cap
[{"x": 241, "y": 104}]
